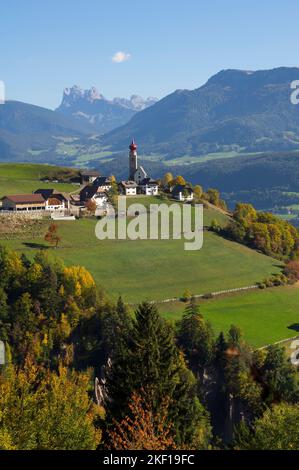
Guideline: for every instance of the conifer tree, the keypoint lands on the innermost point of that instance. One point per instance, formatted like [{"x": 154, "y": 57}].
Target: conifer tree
[
  {"x": 196, "y": 338},
  {"x": 150, "y": 361}
]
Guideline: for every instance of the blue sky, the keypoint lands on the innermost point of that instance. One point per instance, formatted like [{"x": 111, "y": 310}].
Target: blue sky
[{"x": 48, "y": 45}]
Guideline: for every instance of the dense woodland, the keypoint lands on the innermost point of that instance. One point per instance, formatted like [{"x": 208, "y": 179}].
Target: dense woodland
[
  {"x": 263, "y": 231},
  {"x": 166, "y": 387}
]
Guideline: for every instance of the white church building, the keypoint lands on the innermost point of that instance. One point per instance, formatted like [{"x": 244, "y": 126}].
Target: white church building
[{"x": 137, "y": 174}]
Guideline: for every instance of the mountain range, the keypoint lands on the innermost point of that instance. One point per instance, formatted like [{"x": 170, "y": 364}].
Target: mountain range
[
  {"x": 236, "y": 110},
  {"x": 238, "y": 132},
  {"x": 27, "y": 130},
  {"x": 102, "y": 114}
]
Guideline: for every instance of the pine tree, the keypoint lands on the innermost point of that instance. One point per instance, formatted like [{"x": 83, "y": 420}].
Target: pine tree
[
  {"x": 196, "y": 338},
  {"x": 220, "y": 350},
  {"x": 150, "y": 361},
  {"x": 116, "y": 326}
]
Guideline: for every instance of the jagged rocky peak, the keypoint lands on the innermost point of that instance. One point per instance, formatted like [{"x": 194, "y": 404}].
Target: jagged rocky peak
[
  {"x": 75, "y": 93},
  {"x": 136, "y": 102}
]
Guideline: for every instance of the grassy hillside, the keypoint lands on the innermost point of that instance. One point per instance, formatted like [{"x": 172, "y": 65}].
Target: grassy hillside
[
  {"x": 155, "y": 269},
  {"x": 265, "y": 316},
  {"x": 25, "y": 178}
]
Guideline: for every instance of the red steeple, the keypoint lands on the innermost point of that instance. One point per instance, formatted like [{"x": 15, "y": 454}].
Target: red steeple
[{"x": 133, "y": 146}]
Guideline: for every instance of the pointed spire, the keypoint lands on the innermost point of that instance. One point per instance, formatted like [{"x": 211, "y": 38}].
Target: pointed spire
[{"x": 133, "y": 145}]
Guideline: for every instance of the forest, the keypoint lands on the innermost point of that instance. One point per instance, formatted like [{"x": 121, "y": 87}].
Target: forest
[{"x": 162, "y": 386}]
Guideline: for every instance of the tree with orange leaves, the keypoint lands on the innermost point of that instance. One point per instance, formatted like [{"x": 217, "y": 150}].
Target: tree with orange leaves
[
  {"x": 91, "y": 206},
  {"x": 52, "y": 236},
  {"x": 142, "y": 429}
]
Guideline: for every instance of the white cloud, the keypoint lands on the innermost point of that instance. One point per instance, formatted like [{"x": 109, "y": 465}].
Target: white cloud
[{"x": 121, "y": 57}]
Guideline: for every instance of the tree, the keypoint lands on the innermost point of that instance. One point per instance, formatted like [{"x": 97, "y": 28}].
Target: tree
[
  {"x": 234, "y": 337},
  {"x": 43, "y": 410},
  {"x": 113, "y": 194},
  {"x": 279, "y": 375},
  {"x": 215, "y": 226},
  {"x": 167, "y": 180},
  {"x": 277, "y": 429},
  {"x": 196, "y": 338},
  {"x": 198, "y": 192},
  {"x": 150, "y": 361},
  {"x": 260, "y": 236},
  {"x": 116, "y": 328},
  {"x": 291, "y": 270},
  {"x": 245, "y": 213},
  {"x": 52, "y": 236},
  {"x": 187, "y": 295},
  {"x": 4, "y": 316},
  {"x": 142, "y": 429},
  {"x": 213, "y": 196},
  {"x": 220, "y": 350},
  {"x": 91, "y": 206},
  {"x": 180, "y": 180}
]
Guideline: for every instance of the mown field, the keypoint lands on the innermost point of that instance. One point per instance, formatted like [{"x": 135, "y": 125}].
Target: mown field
[
  {"x": 265, "y": 316},
  {"x": 155, "y": 269},
  {"x": 25, "y": 178}
]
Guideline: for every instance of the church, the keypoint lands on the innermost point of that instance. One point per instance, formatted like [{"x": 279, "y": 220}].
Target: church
[{"x": 137, "y": 174}]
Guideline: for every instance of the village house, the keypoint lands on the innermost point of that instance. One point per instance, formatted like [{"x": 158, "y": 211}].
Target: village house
[
  {"x": 149, "y": 187},
  {"x": 23, "y": 202},
  {"x": 103, "y": 183},
  {"x": 55, "y": 200},
  {"x": 182, "y": 193},
  {"x": 92, "y": 193},
  {"x": 128, "y": 188},
  {"x": 88, "y": 176}
]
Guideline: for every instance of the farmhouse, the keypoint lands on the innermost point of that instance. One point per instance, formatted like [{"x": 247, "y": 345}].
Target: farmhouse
[
  {"x": 55, "y": 201},
  {"x": 128, "y": 188},
  {"x": 182, "y": 193},
  {"x": 93, "y": 193},
  {"x": 103, "y": 183},
  {"x": 149, "y": 187},
  {"x": 23, "y": 202}
]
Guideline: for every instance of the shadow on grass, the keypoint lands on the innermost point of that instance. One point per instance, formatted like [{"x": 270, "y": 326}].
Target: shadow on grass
[
  {"x": 36, "y": 246},
  {"x": 294, "y": 326}
]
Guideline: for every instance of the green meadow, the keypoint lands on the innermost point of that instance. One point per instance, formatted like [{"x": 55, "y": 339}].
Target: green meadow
[
  {"x": 25, "y": 178},
  {"x": 155, "y": 269},
  {"x": 264, "y": 316}
]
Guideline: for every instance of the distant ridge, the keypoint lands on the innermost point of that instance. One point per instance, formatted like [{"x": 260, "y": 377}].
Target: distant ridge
[
  {"x": 236, "y": 110},
  {"x": 102, "y": 114}
]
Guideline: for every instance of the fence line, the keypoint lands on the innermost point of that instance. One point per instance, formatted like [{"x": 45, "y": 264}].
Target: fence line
[
  {"x": 200, "y": 296},
  {"x": 280, "y": 342}
]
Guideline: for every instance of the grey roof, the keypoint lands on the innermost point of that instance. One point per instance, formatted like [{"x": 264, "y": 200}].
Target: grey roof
[
  {"x": 88, "y": 192},
  {"x": 101, "y": 181}
]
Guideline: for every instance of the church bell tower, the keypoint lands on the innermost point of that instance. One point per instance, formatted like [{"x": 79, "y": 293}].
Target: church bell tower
[{"x": 132, "y": 160}]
